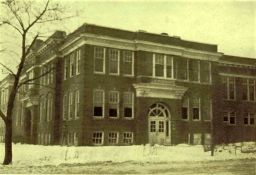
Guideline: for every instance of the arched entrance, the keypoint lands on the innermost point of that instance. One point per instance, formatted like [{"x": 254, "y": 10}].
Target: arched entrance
[{"x": 159, "y": 124}]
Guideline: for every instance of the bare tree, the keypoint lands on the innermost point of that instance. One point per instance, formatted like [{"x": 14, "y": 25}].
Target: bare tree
[{"x": 24, "y": 17}]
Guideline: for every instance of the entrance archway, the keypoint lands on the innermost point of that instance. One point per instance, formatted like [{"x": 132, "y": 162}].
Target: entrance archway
[{"x": 159, "y": 124}]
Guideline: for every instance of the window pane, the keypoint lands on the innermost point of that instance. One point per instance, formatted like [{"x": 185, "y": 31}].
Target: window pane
[
  {"x": 98, "y": 111},
  {"x": 193, "y": 70},
  {"x": 161, "y": 126},
  {"x": 112, "y": 112},
  {"x": 184, "y": 113},
  {"x": 113, "y": 61},
  {"x": 181, "y": 68},
  {"x": 127, "y": 112},
  {"x": 99, "y": 59},
  {"x": 152, "y": 126},
  {"x": 99, "y": 63},
  {"x": 205, "y": 71},
  {"x": 159, "y": 65},
  {"x": 127, "y": 60}
]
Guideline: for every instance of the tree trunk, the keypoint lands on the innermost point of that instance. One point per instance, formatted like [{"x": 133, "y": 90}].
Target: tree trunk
[{"x": 8, "y": 142}]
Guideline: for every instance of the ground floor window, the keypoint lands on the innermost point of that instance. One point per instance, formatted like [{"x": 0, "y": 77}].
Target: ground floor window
[
  {"x": 229, "y": 117},
  {"x": 249, "y": 118},
  {"x": 113, "y": 137},
  {"x": 128, "y": 137},
  {"x": 207, "y": 138},
  {"x": 97, "y": 138}
]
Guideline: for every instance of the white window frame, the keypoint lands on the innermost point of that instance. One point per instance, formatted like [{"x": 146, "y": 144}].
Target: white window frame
[
  {"x": 65, "y": 110},
  {"x": 165, "y": 66},
  {"x": 66, "y": 67},
  {"x": 77, "y": 104},
  {"x": 132, "y": 60},
  {"x": 118, "y": 61},
  {"x": 104, "y": 61},
  {"x": 96, "y": 103},
  {"x": 117, "y": 137},
  {"x": 102, "y": 138},
  {"x": 228, "y": 84},
  {"x": 182, "y": 106},
  {"x": 70, "y": 105},
  {"x": 78, "y": 61},
  {"x": 114, "y": 103},
  {"x": 72, "y": 64},
  {"x": 199, "y": 108},
  {"x": 250, "y": 115},
  {"x": 229, "y": 116},
  {"x": 126, "y": 104},
  {"x": 132, "y": 138}
]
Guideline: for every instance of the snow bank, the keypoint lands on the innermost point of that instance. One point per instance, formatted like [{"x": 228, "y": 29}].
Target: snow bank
[{"x": 24, "y": 154}]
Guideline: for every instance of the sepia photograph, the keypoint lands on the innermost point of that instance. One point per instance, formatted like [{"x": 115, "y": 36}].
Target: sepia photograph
[{"x": 128, "y": 87}]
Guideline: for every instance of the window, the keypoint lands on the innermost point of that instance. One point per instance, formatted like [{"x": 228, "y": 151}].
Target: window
[
  {"x": 248, "y": 90},
  {"x": 70, "y": 106},
  {"x": 77, "y": 104},
  {"x": 128, "y": 104},
  {"x": 128, "y": 63},
  {"x": 65, "y": 107},
  {"x": 205, "y": 71},
  {"x": 66, "y": 64},
  {"x": 194, "y": 70},
  {"x": 169, "y": 67},
  {"x": 97, "y": 138},
  {"x": 196, "y": 108},
  {"x": 197, "y": 139},
  {"x": 207, "y": 139},
  {"x": 51, "y": 72},
  {"x": 72, "y": 65},
  {"x": 163, "y": 66},
  {"x": 78, "y": 62},
  {"x": 128, "y": 137},
  {"x": 182, "y": 68},
  {"x": 161, "y": 126},
  {"x": 98, "y": 103},
  {"x": 249, "y": 118},
  {"x": 152, "y": 126},
  {"x": 113, "y": 104},
  {"x": 159, "y": 65},
  {"x": 99, "y": 60},
  {"x": 252, "y": 89},
  {"x": 41, "y": 106},
  {"x": 49, "y": 107},
  {"x": 229, "y": 117},
  {"x": 113, "y": 138},
  {"x": 45, "y": 109},
  {"x": 184, "y": 109},
  {"x": 113, "y": 61},
  {"x": 31, "y": 76},
  {"x": 229, "y": 88}
]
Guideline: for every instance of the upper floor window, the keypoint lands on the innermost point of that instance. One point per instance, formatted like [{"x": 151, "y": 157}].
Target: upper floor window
[
  {"x": 66, "y": 65},
  {"x": 114, "y": 66},
  {"x": 31, "y": 76},
  {"x": 194, "y": 70},
  {"x": 182, "y": 68},
  {"x": 99, "y": 60},
  {"x": 98, "y": 103},
  {"x": 205, "y": 71},
  {"x": 128, "y": 104},
  {"x": 113, "y": 104},
  {"x": 162, "y": 66},
  {"x": 248, "y": 89},
  {"x": 229, "y": 88},
  {"x": 229, "y": 117},
  {"x": 128, "y": 63},
  {"x": 72, "y": 65},
  {"x": 249, "y": 118},
  {"x": 78, "y": 61}
]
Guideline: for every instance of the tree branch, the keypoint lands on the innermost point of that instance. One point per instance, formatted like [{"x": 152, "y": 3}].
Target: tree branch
[
  {"x": 2, "y": 115},
  {"x": 31, "y": 45},
  {"x": 8, "y": 69},
  {"x": 12, "y": 25},
  {"x": 41, "y": 85},
  {"x": 32, "y": 79},
  {"x": 38, "y": 17}
]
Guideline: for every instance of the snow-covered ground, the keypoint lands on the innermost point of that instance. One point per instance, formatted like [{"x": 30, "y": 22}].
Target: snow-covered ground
[{"x": 38, "y": 155}]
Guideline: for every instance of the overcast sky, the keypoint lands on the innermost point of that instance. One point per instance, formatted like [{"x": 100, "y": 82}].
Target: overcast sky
[{"x": 229, "y": 24}]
